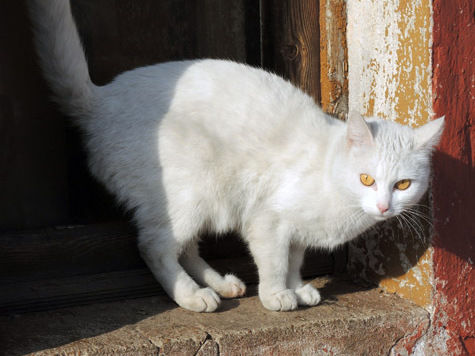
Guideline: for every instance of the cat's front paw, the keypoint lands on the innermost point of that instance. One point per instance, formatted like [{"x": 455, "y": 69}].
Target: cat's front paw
[
  {"x": 232, "y": 287},
  {"x": 281, "y": 301},
  {"x": 202, "y": 300},
  {"x": 307, "y": 295}
]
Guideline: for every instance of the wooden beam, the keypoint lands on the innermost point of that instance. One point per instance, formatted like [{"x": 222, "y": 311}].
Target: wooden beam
[
  {"x": 291, "y": 42},
  {"x": 58, "y": 267},
  {"x": 333, "y": 57},
  {"x": 134, "y": 283}
]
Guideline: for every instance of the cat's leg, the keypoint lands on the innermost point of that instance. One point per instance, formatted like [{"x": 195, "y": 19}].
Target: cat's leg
[
  {"x": 228, "y": 286},
  {"x": 270, "y": 248},
  {"x": 306, "y": 293},
  {"x": 160, "y": 250}
]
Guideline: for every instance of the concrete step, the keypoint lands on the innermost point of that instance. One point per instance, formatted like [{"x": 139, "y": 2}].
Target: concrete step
[{"x": 351, "y": 320}]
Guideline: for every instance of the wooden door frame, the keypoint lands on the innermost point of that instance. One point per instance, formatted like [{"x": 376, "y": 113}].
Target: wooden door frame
[{"x": 71, "y": 265}]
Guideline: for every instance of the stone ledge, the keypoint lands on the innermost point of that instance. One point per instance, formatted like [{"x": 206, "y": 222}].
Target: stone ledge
[{"x": 350, "y": 321}]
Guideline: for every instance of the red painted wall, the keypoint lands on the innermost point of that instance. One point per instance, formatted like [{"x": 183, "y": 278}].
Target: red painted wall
[{"x": 453, "y": 326}]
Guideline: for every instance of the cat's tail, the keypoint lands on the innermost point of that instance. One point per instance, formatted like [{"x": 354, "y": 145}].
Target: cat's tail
[{"x": 61, "y": 56}]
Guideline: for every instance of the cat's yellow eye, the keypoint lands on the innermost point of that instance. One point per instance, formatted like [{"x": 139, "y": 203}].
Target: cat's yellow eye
[
  {"x": 366, "y": 179},
  {"x": 403, "y": 184}
]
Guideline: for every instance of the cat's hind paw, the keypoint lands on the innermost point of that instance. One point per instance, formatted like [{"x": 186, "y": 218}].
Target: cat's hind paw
[
  {"x": 308, "y": 295},
  {"x": 232, "y": 287},
  {"x": 202, "y": 300},
  {"x": 281, "y": 301}
]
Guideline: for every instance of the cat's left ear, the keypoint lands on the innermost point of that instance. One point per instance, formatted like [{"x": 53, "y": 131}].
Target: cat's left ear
[
  {"x": 358, "y": 131},
  {"x": 428, "y": 135}
]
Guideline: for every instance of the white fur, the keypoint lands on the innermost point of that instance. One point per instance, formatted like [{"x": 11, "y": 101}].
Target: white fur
[{"x": 216, "y": 145}]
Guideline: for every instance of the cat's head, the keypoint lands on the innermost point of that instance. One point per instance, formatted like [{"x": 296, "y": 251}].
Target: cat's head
[{"x": 388, "y": 164}]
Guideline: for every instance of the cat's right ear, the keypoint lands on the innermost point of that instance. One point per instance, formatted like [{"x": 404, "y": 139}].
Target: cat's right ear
[
  {"x": 358, "y": 132},
  {"x": 428, "y": 135}
]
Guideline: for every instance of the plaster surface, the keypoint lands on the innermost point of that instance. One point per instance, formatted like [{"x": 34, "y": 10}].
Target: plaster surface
[{"x": 389, "y": 59}]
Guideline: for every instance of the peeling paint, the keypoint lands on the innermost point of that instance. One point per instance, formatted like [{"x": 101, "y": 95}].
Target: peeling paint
[
  {"x": 411, "y": 343},
  {"x": 389, "y": 59},
  {"x": 415, "y": 284},
  {"x": 391, "y": 76}
]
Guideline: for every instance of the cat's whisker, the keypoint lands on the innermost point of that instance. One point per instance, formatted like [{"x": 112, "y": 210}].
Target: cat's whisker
[
  {"x": 410, "y": 226},
  {"x": 418, "y": 207},
  {"x": 404, "y": 223},
  {"x": 412, "y": 215},
  {"x": 400, "y": 221},
  {"x": 418, "y": 212},
  {"x": 418, "y": 228},
  {"x": 419, "y": 215}
]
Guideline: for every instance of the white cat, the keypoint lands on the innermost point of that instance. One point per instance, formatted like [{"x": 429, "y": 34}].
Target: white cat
[{"x": 215, "y": 145}]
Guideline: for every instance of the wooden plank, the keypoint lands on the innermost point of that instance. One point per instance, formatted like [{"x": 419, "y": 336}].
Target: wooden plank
[
  {"x": 70, "y": 251},
  {"x": 291, "y": 42},
  {"x": 123, "y": 35},
  {"x": 219, "y": 28},
  {"x": 334, "y": 57},
  {"x": 33, "y": 144},
  {"x": 135, "y": 283},
  {"x": 252, "y": 19},
  {"x": 67, "y": 251},
  {"x": 79, "y": 290}
]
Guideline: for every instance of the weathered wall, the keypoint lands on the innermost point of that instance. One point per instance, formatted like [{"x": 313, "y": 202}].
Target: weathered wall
[
  {"x": 390, "y": 70},
  {"x": 389, "y": 59},
  {"x": 453, "y": 324},
  {"x": 396, "y": 72}
]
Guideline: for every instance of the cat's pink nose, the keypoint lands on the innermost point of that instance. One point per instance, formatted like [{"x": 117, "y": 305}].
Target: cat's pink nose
[{"x": 382, "y": 207}]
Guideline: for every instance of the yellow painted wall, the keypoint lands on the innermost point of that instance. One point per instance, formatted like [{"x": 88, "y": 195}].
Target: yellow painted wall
[
  {"x": 389, "y": 61},
  {"x": 389, "y": 49}
]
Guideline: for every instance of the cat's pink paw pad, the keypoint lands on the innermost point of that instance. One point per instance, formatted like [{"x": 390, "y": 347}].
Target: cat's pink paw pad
[
  {"x": 281, "y": 301},
  {"x": 308, "y": 295},
  {"x": 233, "y": 287}
]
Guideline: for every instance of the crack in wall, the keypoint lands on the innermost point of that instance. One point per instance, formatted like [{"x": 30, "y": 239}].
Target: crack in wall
[
  {"x": 409, "y": 344},
  {"x": 208, "y": 346},
  {"x": 202, "y": 343}
]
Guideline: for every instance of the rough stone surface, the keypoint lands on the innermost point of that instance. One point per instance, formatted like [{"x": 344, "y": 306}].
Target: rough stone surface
[{"x": 350, "y": 321}]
